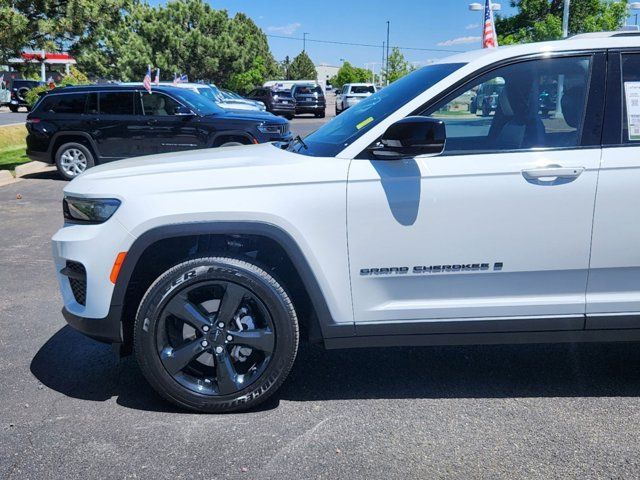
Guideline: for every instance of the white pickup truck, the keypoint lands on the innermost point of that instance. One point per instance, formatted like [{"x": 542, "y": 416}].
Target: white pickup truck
[{"x": 407, "y": 220}]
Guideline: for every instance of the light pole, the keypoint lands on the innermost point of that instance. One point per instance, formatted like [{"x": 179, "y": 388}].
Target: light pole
[
  {"x": 304, "y": 41},
  {"x": 386, "y": 68},
  {"x": 565, "y": 19},
  {"x": 635, "y": 6},
  {"x": 373, "y": 70},
  {"x": 476, "y": 7}
]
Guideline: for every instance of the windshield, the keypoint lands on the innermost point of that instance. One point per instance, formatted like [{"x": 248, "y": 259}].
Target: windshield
[
  {"x": 210, "y": 93},
  {"x": 200, "y": 103},
  {"x": 343, "y": 130}
]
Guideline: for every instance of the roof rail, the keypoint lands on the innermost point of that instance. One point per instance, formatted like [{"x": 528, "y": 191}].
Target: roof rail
[{"x": 618, "y": 33}]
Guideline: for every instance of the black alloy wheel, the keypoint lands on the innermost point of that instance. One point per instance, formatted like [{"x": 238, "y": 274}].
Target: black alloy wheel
[{"x": 216, "y": 334}]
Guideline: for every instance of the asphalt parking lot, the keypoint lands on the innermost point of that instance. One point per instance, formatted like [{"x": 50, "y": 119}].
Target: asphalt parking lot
[{"x": 68, "y": 409}]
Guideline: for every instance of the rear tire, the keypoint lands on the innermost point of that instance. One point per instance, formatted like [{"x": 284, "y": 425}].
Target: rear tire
[
  {"x": 13, "y": 108},
  {"x": 210, "y": 298},
  {"x": 72, "y": 159}
]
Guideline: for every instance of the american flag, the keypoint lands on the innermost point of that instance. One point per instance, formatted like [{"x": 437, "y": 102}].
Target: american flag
[
  {"x": 147, "y": 80},
  {"x": 157, "y": 79},
  {"x": 489, "y": 37}
]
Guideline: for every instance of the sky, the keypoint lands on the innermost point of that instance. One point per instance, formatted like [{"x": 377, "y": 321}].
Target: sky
[{"x": 441, "y": 25}]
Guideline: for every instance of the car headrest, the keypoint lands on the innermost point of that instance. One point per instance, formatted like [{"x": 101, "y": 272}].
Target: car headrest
[
  {"x": 505, "y": 104},
  {"x": 572, "y": 106}
]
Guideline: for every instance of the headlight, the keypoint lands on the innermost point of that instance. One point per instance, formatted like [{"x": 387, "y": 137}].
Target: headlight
[
  {"x": 266, "y": 128},
  {"x": 89, "y": 210}
]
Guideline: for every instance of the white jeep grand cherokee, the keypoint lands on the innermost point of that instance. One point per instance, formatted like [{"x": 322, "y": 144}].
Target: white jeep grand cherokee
[{"x": 407, "y": 220}]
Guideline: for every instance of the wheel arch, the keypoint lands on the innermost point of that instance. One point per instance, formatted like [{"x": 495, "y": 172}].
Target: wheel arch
[
  {"x": 319, "y": 324},
  {"x": 219, "y": 138},
  {"x": 60, "y": 138}
]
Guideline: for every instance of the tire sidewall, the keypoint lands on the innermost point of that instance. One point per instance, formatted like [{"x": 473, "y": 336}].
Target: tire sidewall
[
  {"x": 79, "y": 146},
  {"x": 184, "y": 276}
]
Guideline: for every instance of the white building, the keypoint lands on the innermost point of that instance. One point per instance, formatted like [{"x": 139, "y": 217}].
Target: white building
[{"x": 325, "y": 72}]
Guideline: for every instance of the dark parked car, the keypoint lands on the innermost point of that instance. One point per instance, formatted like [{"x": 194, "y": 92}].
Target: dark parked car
[
  {"x": 280, "y": 102},
  {"x": 78, "y": 127},
  {"x": 18, "y": 93},
  {"x": 309, "y": 99}
]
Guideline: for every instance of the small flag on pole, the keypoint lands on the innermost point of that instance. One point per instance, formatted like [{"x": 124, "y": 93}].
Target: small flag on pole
[
  {"x": 147, "y": 80},
  {"x": 489, "y": 37},
  {"x": 184, "y": 78},
  {"x": 157, "y": 79}
]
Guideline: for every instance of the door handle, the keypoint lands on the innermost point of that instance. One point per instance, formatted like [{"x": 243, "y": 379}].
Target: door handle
[
  {"x": 152, "y": 122},
  {"x": 552, "y": 172}
]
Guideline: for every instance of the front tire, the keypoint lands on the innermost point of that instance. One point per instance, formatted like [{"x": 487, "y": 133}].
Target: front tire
[
  {"x": 216, "y": 334},
  {"x": 13, "y": 108},
  {"x": 72, "y": 159}
]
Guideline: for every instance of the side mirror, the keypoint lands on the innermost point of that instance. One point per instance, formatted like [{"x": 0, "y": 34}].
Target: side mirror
[
  {"x": 183, "y": 111},
  {"x": 411, "y": 137}
]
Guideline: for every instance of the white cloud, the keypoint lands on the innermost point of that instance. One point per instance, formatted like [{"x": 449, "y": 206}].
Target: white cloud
[
  {"x": 472, "y": 26},
  {"x": 289, "y": 29},
  {"x": 459, "y": 41}
]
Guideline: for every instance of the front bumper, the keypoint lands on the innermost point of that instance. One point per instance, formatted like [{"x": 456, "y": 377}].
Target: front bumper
[
  {"x": 95, "y": 247},
  {"x": 107, "y": 329}
]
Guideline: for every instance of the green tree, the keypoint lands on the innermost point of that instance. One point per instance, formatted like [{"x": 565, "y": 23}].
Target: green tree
[
  {"x": 349, "y": 74},
  {"x": 183, "y": 36},
  {"x": 302, "y": 68},
  {"x": 398, "y": 66},
  {"x": 75, "y": 77},
  {"x": 54, "y": 24},
  {"x": 539, "y": 20},
  {"x": 243, "y": 82}
]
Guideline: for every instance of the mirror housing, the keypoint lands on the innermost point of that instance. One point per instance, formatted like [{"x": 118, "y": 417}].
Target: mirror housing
[
  {"x": 183, "y": 111},
  {"x": 411, "y": 137}
]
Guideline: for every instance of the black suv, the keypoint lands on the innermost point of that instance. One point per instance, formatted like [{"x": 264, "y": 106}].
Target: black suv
[
  {"x": 280, "y": 102},
  {"x": 78, "y": 127},
  {"x": 309, "y": 99},
  {"x": 19, "y": 89}
]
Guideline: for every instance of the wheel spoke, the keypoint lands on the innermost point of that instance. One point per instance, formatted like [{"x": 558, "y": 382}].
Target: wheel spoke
[
  {"x": 226, "y": 375},
  {"x": 181, "y": 307},
  {"x": 175, "y": 360},
  {"x": 230, "y": 303},
  {"x": 261, "y": 339}
]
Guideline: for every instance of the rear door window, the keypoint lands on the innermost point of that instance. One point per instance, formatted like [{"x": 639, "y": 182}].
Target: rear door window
[
  {"x": 70, "y": 103},
  {"x": 631, "y": 98},
  {"x": 116, "y": 103}
]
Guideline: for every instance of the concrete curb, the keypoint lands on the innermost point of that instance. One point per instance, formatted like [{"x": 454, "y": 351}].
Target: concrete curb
[
  {"x": 6, "y": 178},
  {"x": 31, "y": 167}
]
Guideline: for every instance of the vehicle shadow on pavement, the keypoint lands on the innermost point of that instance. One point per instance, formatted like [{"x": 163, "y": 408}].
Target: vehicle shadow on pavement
[
  {"x": 81, "y": 368},
  {"x": 46, "y": 175}
]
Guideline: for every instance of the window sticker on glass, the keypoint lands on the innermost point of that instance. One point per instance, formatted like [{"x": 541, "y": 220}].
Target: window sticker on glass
[
  {"x": 632, "y": 97},
  {"x": 364, "y": 123}
]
